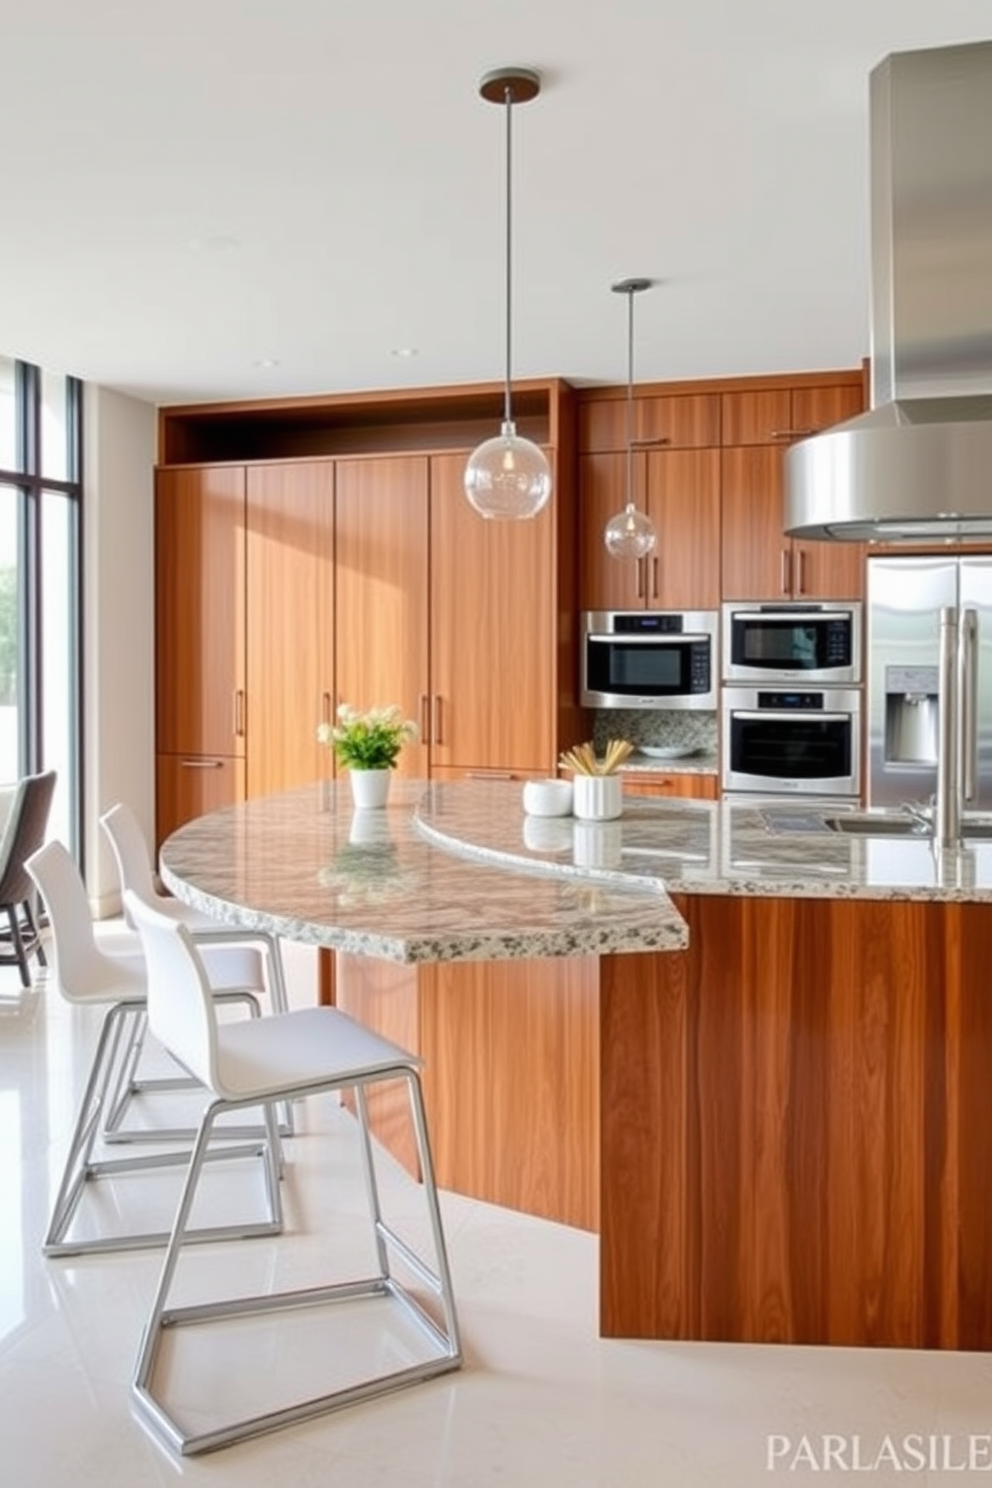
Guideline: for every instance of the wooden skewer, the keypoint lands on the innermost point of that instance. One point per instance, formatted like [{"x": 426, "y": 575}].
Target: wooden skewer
[{"x": 583, "y": 760}]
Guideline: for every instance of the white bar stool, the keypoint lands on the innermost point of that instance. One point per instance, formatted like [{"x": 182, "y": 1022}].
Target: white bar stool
[
  {"x": 87, "y": 976},
  {"x": 263, "y": 1061}
]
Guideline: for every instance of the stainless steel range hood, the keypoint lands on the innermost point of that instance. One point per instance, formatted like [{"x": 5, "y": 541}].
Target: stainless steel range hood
[{"x": 918, "y": 467}]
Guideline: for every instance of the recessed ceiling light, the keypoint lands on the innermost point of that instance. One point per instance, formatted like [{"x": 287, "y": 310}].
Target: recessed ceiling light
[
  {"x": 266, "y": 362},
  {"x": 219, "y": 243},
  {"x": 404, "y": 351}
]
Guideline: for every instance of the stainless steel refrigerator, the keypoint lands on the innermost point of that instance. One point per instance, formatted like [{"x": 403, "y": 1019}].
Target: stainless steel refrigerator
[{"x": 905, "y": 599}]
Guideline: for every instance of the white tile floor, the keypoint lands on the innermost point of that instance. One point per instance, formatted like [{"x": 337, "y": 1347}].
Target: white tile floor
[{"x": 541, "y": 1401}]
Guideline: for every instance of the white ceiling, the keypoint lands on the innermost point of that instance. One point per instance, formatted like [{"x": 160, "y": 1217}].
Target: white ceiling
[{"x": 190, "y": 191}]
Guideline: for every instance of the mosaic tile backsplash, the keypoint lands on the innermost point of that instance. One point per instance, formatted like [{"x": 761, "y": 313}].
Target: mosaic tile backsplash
[{"x": 657, "y": 726}]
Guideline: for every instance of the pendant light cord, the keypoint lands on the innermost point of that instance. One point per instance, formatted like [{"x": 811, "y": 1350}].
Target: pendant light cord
[
  {"x": 507, "y": 412},
  {"x": 630, "y": 398}
]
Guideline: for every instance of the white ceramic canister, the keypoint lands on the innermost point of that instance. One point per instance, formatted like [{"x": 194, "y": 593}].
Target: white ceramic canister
[{"x": 597, "y": 797}]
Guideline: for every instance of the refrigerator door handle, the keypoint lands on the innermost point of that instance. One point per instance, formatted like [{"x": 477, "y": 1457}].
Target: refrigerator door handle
[{"x": 968, "y": 695}]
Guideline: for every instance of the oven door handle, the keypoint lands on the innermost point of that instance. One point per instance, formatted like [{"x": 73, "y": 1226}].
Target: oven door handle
[
  {"x": 678, "y": 638},
  {"x": 767, "y": 713}
]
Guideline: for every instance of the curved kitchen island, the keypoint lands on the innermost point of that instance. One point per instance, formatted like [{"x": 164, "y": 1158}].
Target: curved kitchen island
[{"x": 781, "y": 1130}]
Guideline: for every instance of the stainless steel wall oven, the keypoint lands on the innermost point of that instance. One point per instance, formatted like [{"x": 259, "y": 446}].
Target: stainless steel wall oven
[{"x": 781, "y": 739}]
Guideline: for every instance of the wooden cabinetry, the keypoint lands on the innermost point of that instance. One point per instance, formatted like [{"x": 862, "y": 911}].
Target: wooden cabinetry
[
  {"x": 676, "y": 480},
  {"x": 493, "y": 633},
  {"x": 243, "y": 595},
  {"x": 695, "y": 787},
  {"x": 289, "y": 609},
  {"x": 758, "y": 561},
  {"x": 314, "y": 551},
  {"x": 382, "y": 632},
  {"x": 680, "y": 491},
  {"x": 663, "y": 421},
  {"x": 199, "y": 641}
]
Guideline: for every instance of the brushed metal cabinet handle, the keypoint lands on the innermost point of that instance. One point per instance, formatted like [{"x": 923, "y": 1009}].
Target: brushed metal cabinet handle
[
  {"x": 201, "y": 764},
  {"x": 801, "y": 571},
  {"x": 425, "y": 718},
  {"x": 786, "y": 571},
  {"x": 436, "y": 719}
]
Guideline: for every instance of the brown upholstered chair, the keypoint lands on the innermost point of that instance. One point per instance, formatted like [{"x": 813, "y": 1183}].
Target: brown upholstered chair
[{"x": 23, "y": 833}]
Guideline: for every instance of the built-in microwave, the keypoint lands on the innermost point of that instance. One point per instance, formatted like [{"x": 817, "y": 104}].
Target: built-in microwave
[
  {"x": 649, "y": 659},
  {"x": 817, "y": 642}
]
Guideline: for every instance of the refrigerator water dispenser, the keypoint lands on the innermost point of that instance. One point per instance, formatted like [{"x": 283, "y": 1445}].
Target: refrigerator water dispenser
[{"x": 911, "y": 715}]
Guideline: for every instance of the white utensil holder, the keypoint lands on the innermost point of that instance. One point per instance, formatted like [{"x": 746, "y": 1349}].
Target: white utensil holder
[{"x": 597, "y": 797}]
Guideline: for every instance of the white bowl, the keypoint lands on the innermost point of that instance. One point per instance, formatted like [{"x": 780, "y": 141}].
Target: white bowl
[{"x": 548, "y": 797}]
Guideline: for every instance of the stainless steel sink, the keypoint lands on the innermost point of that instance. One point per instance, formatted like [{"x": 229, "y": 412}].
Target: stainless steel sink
[
  {"x": 867, "y": 825},
  {"x": 871, "y": 824}
]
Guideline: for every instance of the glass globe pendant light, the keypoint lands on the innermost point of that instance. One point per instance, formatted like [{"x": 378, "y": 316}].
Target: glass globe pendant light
[
  {"x": 630, "y": 534},
  {"x": 508, "y": 477}
]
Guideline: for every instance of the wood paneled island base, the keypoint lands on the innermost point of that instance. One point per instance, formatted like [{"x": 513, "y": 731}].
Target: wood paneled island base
[{"x": 796, "y": 1120}]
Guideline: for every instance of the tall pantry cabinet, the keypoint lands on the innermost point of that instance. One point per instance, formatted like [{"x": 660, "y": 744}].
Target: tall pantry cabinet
[{"x": 244, "y": 638}]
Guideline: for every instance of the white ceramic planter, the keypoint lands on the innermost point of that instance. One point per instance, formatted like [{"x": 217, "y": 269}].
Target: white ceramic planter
[
  {"x": 597, "y": 797},
  {"x": 369, "y": 787}
]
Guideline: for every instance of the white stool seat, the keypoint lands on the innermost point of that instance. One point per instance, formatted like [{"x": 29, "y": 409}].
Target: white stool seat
[{"x": 304, "y": 1048}]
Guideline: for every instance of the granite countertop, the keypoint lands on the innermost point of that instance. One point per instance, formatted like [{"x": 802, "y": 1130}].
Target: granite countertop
[
  {"x": 700, "y": 762},
  {"x": 458, "y": 872},
  {"x": 308, "y": 866},
  {"x": 700, "y": 847}
]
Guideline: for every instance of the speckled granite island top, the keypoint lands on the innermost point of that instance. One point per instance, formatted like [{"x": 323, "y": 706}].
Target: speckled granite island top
[
  {"x": 701, "y": 847},
  {"x": 308, "y": 866},
  {"x": 458, "y": 872}
]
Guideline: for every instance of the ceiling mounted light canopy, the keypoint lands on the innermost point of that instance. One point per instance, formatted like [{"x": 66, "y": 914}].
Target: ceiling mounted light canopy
[
  {"x": 630, "y": 534},
  {"x": 508, "y": 477}
]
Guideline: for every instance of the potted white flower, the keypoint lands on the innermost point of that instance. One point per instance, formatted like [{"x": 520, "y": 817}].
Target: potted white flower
[{"x": 368, "y": 746}]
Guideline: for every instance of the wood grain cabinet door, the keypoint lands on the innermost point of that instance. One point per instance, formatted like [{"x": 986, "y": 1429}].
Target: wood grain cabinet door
[
  {"x": 493, "y": 632},
  {"x": 756, "y": 555},
  {"x": 290, "y": 608},
  {"x": 381, "y": 602},
  {"x": 607, "y": 583},
  {"x": 199, "y": 610},
  {"x": 683, "y": 572},
  {"x": 190, "y": 785}
]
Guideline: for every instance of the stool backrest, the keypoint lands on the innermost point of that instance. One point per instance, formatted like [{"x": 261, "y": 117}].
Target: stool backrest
[
  {"x": 181, "y": 1011},
  {"x": 81, "y": 968},
  {"x": 134, "y": 863}
]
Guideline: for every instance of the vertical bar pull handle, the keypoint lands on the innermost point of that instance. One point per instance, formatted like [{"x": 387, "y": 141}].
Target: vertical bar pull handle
[
  {"x": 425, "y": 719},
  {"x": 786, "y": 571},
  {"x": 436, "y": 719},
  {"x": 325, "y": 707},
  {"x": 654, "y": 578},
  {"x": 801, "y": 571},
  {"x": 967, "y": 703},
  {"x": 641, "y": 582},
  {"x": 239, "y": 713}
]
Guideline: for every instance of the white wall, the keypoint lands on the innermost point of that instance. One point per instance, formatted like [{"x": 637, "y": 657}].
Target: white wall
[{"x": 118, "y": 623}]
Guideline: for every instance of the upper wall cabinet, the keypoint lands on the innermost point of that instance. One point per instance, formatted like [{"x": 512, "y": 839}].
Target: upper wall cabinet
[
  {"x": 659, "y": 422},
  {"x": 680, "y": 491},
  {"x": 758, "y": 560}
]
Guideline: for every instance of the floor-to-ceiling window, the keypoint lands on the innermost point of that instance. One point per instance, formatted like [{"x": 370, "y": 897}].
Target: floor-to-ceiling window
[{"x": 40, "y": 641}]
